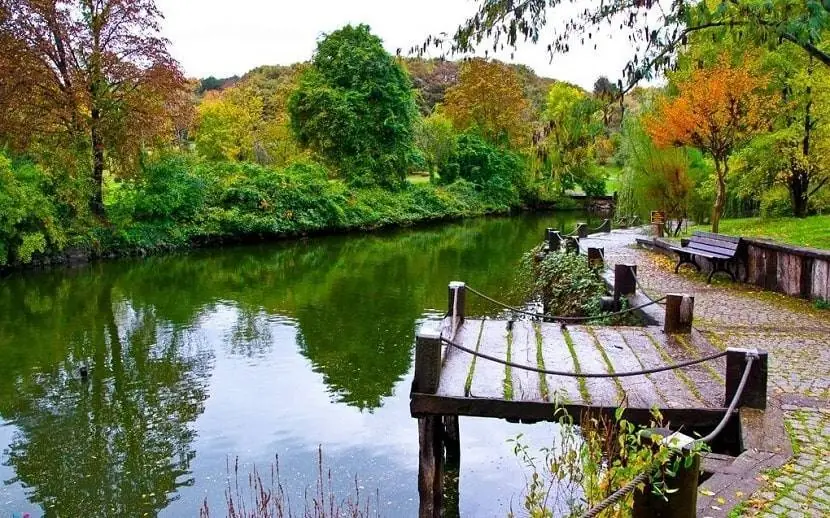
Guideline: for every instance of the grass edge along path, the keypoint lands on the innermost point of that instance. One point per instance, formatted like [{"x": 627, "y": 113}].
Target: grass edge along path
[{"x": 811, "y": 232}]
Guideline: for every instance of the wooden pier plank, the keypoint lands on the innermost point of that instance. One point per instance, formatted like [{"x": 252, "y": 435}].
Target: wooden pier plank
[
  {"x": 556, "y": 356},
  {"x": 709, "y": 390},
  {"x": 488, "y": 376},
  {"x": 457, "y": 363},
  {"x": 524, "y": 351},
  {"x": 639, "y": 390},
  {"x": 602, "y": 391},
  {"x": 672, "y": 387}
]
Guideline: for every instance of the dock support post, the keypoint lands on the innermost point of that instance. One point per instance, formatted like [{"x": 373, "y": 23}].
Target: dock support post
[
  {"x": 452, "y": 466},
  {"x": 427, "y": 359},
  {"x": 755, "y": 391},
  {"x": 581, "y": 230},
  {"x": 430, "y": 466},
  {"x": 680, "y": 311},
  {"x": 456, "y": 303},
  {"x": 625, "y": 280},
  {"x": 596, "y": 257},
  {"x": 682, "y": 502}
]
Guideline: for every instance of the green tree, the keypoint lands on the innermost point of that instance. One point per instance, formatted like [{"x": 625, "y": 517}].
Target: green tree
[
  {"x": 573, "y": 125},
  {"x": 28, "y": 217},
  {"x": 796, "y": 151},
  {"x": 436, "y": 138},
  {"x": 355, "y": 107},
  {"x": 605, "y": 91}
]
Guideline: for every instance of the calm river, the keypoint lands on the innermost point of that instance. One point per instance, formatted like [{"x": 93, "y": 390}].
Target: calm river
[{"x": 246, "y": 352}]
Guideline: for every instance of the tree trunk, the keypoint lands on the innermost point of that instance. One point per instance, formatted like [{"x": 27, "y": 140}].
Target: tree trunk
[
  {"x": 721, "y": 169},
  {"x": 799, "y": 183},
  {"x": 96, "y": 202},
  {"x": 800, "y": 179}
]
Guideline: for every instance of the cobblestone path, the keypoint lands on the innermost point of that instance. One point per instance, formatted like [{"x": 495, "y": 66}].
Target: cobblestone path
[{"x": 797, "y": 337}]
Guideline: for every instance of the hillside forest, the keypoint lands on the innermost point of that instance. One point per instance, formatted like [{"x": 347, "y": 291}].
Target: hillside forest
[{"x": 107, "y": 148}]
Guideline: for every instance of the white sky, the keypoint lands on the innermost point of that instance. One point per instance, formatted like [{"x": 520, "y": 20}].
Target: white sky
[{"x": 223, "y": 38}]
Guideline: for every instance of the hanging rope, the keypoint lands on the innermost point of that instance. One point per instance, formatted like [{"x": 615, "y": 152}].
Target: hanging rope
[
  {"x": 583, "y": 374},
  {"x": 563, "y": 318}
]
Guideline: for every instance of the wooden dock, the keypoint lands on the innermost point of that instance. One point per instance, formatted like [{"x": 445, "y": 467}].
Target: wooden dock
[
  {"x": 533, "y": 370},
  {"x": 472, "y": 386}
]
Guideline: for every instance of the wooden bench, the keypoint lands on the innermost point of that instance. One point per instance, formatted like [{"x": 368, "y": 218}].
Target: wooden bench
[{"x": 720, "y": 250}]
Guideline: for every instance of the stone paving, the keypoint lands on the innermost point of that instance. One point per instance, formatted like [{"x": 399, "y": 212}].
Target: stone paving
[{"x": 796, "y": 335}]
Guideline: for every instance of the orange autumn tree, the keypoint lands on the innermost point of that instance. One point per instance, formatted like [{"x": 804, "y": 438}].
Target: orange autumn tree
[{"x": 718, "y": 109}]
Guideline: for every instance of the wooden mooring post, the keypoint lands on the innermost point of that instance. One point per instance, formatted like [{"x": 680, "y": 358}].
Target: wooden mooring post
[
  {"x": 625, "y": 280},
  {"x": 581, "y": 230},
  {"x": 755, "y": 391},
  {"x": 596, "y": 257},
  {"x": 682, "y": 501},
  {"x": 553, "y": 238},
  {"x": 680, "y": 312}
]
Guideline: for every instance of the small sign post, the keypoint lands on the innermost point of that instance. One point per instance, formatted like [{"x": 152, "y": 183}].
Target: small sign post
[{"x": 658, "y": 221}]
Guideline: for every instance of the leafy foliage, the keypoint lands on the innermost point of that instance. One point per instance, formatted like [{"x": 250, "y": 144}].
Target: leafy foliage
[
  {"x": 489, "y": 99},
  {"x": 564, "y": 283},
  {"x": 436, "y": 138},
  {"x": 569, "y": 147},
  {"x": 590, "y": 461},
  {"x": 99, "y": 80},
  {"x": 355, "y": 108},
  {"x": 719, "y": 109},
  {"x": 28, "y": 217}
]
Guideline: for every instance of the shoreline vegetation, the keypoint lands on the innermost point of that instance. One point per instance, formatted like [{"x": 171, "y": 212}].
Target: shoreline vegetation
[{"x": 185, "y": 203}]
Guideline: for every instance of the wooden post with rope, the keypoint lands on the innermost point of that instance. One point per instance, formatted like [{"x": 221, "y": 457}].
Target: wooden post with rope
[{"x": 680, "y": 313}]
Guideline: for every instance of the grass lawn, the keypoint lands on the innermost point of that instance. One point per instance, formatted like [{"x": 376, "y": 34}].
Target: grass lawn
[
  {"x": 813, "y": 231},
  {"x": 418, "y": 177}
]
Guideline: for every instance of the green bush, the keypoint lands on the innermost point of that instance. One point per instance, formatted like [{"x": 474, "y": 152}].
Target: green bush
[
  {"x": 820, "y": 201},
  {"x": 28, "y": 216},
  {"x": 776, "y": 203},
  {"x": 564, "y": 282}
]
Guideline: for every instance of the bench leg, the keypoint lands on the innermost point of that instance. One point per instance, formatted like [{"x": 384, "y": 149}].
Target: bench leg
[
  {"x": 684, "y": 258},
  {"x": 718, "y": 265}
]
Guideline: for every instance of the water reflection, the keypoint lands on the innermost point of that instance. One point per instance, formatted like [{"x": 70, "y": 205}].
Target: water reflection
[{"x": 248, "y": 351}]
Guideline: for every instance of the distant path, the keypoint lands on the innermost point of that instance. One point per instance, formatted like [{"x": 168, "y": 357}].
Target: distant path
[{"x": 796, "y": 335}]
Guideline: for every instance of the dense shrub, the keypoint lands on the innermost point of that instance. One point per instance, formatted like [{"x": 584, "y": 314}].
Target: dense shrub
[
  {"x": 180, "y": 200},
  {"x": 28, "y": 216},
  {"x": 354, "y": 107},
  {"x": 776, "y": 202},
  {"x": 563, "y": 281}
]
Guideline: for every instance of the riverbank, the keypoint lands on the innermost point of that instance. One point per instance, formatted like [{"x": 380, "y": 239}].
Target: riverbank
[{"x": 182, "y": 204}]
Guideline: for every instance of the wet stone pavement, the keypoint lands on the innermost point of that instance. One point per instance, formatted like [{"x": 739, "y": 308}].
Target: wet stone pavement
[{"x": 797, "y": 337}]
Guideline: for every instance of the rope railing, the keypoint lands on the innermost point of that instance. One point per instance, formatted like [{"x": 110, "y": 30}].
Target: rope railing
[
  {"x": 563, "y": 318},
  {"x": 531, "y": 368},
  {"x": 645, "y": 475},
  {"x": 627, "y": 489}
]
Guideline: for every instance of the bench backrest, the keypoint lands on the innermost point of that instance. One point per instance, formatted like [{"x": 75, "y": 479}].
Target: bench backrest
[{"x": 715, "y": 243}]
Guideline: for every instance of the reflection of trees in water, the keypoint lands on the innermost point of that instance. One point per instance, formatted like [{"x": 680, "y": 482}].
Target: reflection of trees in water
[
  {"x": 251, "y": 333},
  {"x": 120, "y": 443}
]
